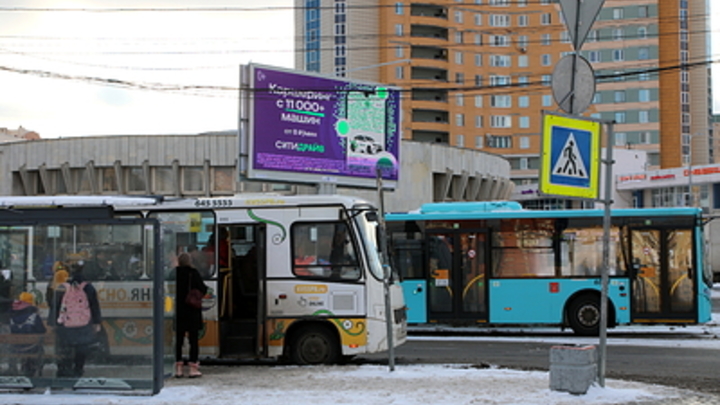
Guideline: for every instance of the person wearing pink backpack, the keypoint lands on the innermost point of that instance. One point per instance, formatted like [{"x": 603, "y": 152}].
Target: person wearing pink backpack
[{"x": 77, "y": 320}]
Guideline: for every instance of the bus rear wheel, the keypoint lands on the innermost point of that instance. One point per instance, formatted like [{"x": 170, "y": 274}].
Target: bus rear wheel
[
  {"x": 314, "y": 345},
  {"x": 584, "y": 315}
]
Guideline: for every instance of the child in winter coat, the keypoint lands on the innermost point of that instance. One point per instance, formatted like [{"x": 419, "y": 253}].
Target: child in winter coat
[{"x": 25, "y": 319}]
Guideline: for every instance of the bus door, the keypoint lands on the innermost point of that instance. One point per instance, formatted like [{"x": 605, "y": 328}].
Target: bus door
[
  {"x": 662, "y": 275},
  {"x": 241, "y": 296},
  {"x": 457, "y": 263}
]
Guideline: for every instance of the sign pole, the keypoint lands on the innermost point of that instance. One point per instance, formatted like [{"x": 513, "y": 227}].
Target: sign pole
[
  {"x": 607, "y": 218},
  {"x": 387, "y": 272}
]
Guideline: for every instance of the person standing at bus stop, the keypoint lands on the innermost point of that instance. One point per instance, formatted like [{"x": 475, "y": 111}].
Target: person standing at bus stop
[{"x": 188, "y": 320}]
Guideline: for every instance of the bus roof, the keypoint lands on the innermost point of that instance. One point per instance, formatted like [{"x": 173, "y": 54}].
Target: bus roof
[
  {"x": 512, "y": 209},
  {"x": 138, "y": 202}
]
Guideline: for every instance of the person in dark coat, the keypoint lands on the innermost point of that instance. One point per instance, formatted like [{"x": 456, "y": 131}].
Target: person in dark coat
[
  {"x": 25, "y": 319},
  {"x": 75, "y": 343},
  {"x": 188, "y": 320}
]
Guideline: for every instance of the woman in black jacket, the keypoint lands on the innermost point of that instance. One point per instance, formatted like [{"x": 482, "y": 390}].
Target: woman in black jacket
[{"x": 188, "y": 320}]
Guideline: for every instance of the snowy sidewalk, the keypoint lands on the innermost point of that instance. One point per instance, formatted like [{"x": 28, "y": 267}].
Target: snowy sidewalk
[{"x": 369, "y": 385}]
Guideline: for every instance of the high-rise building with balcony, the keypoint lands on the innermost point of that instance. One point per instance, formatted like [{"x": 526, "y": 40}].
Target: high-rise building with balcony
[{"x": 477, "y": 74}]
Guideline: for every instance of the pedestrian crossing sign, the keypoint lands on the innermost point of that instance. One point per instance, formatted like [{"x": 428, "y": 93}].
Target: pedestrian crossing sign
[{"x": 570, "y": 157}]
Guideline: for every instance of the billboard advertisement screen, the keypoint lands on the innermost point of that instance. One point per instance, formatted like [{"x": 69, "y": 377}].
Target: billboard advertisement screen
[{"x": 314, "y": 129}]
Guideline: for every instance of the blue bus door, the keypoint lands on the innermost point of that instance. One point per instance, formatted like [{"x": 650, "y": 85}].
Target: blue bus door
[
  {"x": 662, "y": 276},
  {"x": 456, "y": 283}
]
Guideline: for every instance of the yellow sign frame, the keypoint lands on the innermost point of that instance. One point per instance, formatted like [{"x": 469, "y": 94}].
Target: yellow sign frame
[{"x": 547, "y": 186}]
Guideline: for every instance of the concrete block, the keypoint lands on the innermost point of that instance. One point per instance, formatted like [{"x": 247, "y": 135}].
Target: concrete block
[{"x": 573, "y": 368}]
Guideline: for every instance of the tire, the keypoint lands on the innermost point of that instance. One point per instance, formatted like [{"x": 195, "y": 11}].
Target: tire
[
  {"x": 314, "y": 345},
  {"x": 584, "y": 315}
]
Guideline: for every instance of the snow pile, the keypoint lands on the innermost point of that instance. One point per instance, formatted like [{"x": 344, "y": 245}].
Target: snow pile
[{"x": 367, "y": 385}]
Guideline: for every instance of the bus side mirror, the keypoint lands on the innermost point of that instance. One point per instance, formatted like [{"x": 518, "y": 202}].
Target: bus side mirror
[{"x": 371, "y": 216}]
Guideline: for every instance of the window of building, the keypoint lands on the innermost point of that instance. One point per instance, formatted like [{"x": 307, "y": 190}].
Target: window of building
[
  {"x": 497, "y": 80},
  {"x": 478, "y": 59},
  {"x": 460, "y": 78},
  {"x": 617, "y": 34},
  {"x": 523, "y": 101},
  {"x": 644, "y": 95},
  {"x": 499, "y": 40},
  {"x": 499, "y": 20},
  {"x": 478, "y": 39},
  {"x": 524, "y": 142},
  {"x": 524, "y": 122},
  {"x": 500, "y": 142},
  {"x": 594, "y": 56},
  {"x": 501, "y": 121},
  {"x": 193, "y": 180},
  {"x": 399, "y": 72},
  {"x": 643, "y": 11},
  {"x": 522, "y": 41},
  {"x": 399, "y": 30},
  {"x": 500, "y": 60},
  {"x": 620, "y": 139},
  {"x": 460, "y": 99},
  {"x": 619, "y": 96},
  {"x": 546, "y": 100},
  {"x": 545, "y": 39},
  {"x": 642, "y": 33},
  {"x": 478, "y": 19},
  {"x": 399, "y": 52},
  {"x": 546, "y": 19},
  {"x": 478, "y": 101},
  {"x": 645, "y": 137},
  {"x": 458, "y": 16},
  {"x": 618, "y": 13},
  {"x": 546, "y": 59},
  {"x": 398, "y": 8},
  {"x": 479, "y": 142},
  {"x": 501, "y": 101},
  {"x": 478, "y": 80},
  {"x": 620, "y": 117},
  {"x": 643, "y": 117},
  {"x": 643, "y": 53},
  {"x": 460, "y": 139},
  {"x": 136, "y": 180},
  {"x": 522, "y": 61},
  {"x": 163, "y": 180},
  {"x": 523, "y": 81},
  {"x": 618, "y": 55},
  {"x": 564, "y": 37},
  {"x": 479, "y": 121},
  {"x": 523, "y": 163},
  {"x": 223, "y": 179},
  {"x": 522, "y": 20},
  {"x": 459, "y": 58},
  {"x": 458, "y": 37},
  {"x": 460, "y": 120}
]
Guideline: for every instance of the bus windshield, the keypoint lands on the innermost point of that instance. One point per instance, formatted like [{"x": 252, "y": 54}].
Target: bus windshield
[{"x": 369, "y": 230}]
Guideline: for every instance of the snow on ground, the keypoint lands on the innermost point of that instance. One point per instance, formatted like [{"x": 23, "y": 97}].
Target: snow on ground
[{"x": 367, "y": 385}]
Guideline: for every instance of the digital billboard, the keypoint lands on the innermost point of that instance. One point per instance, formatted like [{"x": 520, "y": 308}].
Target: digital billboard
[{"x": 314, "y": 129}]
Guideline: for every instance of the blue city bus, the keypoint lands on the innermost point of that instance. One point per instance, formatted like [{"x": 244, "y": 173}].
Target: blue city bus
[{"x": 495, "y": 263}]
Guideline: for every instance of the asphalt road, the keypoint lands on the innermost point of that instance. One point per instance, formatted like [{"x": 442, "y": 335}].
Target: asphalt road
[
  {"x": 690, "y": 368},
  {"x": 695, "y": 369}
]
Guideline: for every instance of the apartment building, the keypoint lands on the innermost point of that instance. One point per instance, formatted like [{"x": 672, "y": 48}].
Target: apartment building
[{"x": 477, "y": 74}]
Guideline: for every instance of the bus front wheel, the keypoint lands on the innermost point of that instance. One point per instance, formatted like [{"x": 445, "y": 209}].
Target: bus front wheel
[
  {"x": 584, "y": 315},
  {"x": 314, "y": 345}
]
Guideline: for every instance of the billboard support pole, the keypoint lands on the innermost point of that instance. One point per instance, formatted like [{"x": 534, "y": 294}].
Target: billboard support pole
[
  {"x": 607, "y": 218},
  {"x": 387, "y": 271}
]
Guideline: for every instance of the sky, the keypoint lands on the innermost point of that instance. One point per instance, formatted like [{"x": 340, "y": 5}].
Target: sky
[{"x": 119, "y": 70}]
